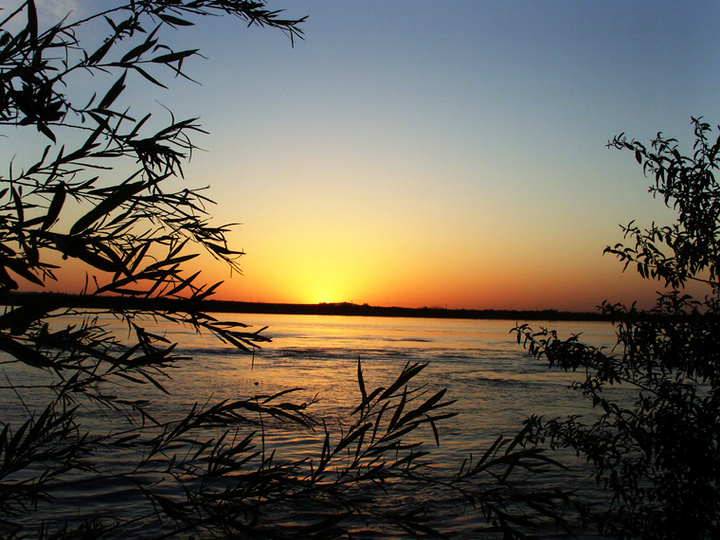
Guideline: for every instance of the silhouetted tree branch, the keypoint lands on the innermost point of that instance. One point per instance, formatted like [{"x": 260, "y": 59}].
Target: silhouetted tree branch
[{"x": 654, "y": 443}]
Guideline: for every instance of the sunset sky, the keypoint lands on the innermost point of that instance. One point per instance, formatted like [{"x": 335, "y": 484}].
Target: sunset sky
[{"x": 418, "y": 153}]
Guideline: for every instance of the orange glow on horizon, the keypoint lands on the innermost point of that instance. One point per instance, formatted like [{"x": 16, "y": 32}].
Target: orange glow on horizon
[{"x": 407, "y": 282}]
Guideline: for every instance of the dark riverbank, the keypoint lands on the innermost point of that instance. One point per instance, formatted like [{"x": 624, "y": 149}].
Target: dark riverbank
[{"x": 343, "y": 308}]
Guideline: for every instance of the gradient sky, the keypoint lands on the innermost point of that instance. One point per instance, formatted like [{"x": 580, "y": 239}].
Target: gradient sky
[{"x": 419, "y": 153}]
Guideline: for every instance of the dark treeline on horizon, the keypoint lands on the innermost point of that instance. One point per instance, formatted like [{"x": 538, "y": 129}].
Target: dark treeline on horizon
[{"x": 339, "y": 308}]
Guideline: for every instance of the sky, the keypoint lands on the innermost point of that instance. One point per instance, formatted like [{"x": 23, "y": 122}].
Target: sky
[{"x": 442, "y": 154}]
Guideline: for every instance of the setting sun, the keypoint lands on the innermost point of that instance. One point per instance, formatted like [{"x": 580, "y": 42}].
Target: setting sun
[
  {"x": 324, "y": 283},
  {"x": 318, "y": 293}
]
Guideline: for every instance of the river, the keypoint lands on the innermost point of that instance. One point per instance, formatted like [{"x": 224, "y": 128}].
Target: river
[{"x": 494, "y": 382}]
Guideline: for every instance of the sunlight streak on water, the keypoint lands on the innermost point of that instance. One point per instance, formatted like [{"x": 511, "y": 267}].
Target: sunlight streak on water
[{"x": 496, "y": 384}]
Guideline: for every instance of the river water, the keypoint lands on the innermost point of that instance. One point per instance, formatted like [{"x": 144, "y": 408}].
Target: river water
[{"x": 495, "y": 383}]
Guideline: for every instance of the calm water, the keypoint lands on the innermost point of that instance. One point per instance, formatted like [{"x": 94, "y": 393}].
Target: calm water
[{"x": 496, "y": 384}]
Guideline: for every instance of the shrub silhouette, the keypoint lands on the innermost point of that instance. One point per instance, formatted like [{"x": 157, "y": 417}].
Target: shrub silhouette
[
  {"x": 655, "y": 444},
  {"x": 207, "y": 472}
]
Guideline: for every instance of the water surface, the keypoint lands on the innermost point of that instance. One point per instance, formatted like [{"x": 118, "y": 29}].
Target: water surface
[{"x": 495, "y": 383}]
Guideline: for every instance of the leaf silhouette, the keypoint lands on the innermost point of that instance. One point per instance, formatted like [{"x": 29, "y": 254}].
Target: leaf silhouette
[{"x": 119, "y": 196}]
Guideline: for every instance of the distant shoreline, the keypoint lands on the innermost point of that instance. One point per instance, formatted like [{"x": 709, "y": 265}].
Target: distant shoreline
[{"x": 341, "y": 308}]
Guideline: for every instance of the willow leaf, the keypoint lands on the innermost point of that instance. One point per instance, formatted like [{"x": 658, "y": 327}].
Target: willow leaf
[
  {"x": 55, "y": 206},
  {"x": 121, "y": 195}
]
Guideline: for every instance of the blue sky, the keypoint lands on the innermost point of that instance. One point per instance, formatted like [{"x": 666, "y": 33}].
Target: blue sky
[{"x": 440, "y": 153}]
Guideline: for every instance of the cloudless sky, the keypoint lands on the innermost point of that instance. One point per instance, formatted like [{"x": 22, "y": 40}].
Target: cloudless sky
[{"x": 424, "y": 153}]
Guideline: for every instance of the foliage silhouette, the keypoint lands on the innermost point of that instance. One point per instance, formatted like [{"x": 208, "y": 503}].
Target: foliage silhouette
[
  {"x": 655, "y": 442},
  {"x": 101, "y": 194}
]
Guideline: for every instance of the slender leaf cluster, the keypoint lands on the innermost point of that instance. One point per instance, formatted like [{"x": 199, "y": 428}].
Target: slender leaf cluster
[
  {"x": 99, "y": 193},
  {"x": 133, "y": 230},
  {"x": 655, "y": 440},
  {"x": 686, "y": 250}
]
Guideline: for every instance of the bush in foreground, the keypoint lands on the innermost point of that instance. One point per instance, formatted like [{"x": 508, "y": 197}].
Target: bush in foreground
[{"x": 655, "y": 443}]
